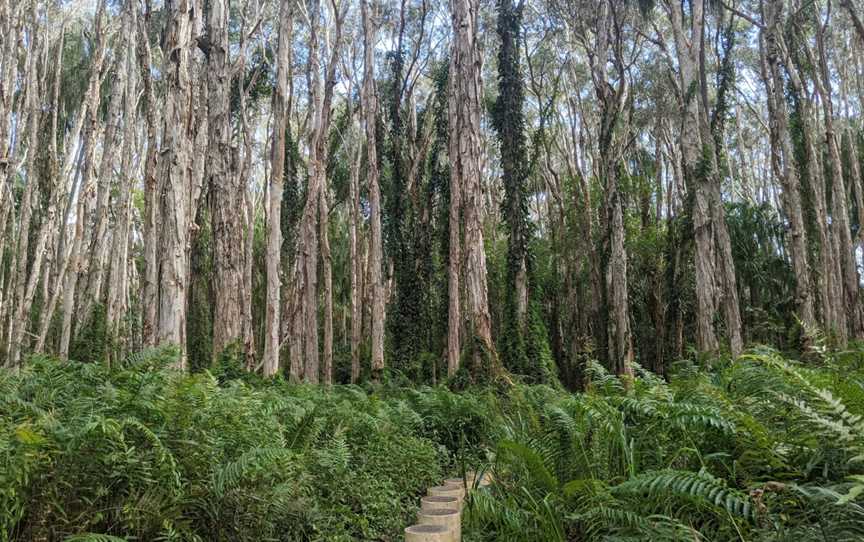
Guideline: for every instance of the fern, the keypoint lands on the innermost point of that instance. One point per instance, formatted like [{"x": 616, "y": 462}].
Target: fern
[
  {"x": 93, "y": 537},
  {"x": 701, "y": 487}
]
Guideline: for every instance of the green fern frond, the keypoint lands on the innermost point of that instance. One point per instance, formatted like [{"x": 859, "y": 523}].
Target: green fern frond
[
  {"x": 93, "y": 537},
  {"x": 699, "y": 486},
  {"x": 252, "y": 464},
  {"x": 531, "y": 460}
]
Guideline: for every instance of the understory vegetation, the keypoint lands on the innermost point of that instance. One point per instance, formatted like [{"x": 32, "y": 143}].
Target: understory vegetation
[{"x": 759, "y": 448}]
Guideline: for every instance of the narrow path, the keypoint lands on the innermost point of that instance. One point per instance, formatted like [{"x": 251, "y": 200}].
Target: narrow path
[{"x": 440, "y": 516}]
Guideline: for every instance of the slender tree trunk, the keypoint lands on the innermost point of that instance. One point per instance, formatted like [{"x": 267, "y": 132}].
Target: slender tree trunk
[
  {"x": 509, "y": 122},
  {"x": 96, "y": 243},
  {"x": 29, "y": 197},
  {"x": 327, "y": 271},
  {"x": 9, "y": 36},
  {"x": 74, "y": 268},
  {"x": 613, "y": 129},
  {"x": 376, "y": 246},
  {"x": 118, "y": 280},
  {"x": 274, "y": 211},
  {"x": 700, "y": 164},
  {"x": 356, "y": 267},
  {"x": 320, "y": 100},
  {"x": 833, "y": 317},
  {"x": 152, "y": 192},
  {"x": 840, "y": 210},
  {"x": 90, "y": 134},
  {"x": 307, "y": 257},
  {"x": 783, "y": 166}
]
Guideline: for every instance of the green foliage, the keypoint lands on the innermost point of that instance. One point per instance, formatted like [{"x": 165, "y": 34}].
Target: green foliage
[
  {"x": 143, "y": 452},
  {"x": 92, "y": 343},
  {"x": 761, "y": 449},
  {"x": 755, "y": 232}
]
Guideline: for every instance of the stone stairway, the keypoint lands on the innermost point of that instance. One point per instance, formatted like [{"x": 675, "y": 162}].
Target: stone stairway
[{"x": 440, "y": 516}]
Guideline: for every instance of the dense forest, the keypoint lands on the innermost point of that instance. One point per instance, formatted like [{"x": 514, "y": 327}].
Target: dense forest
[{"x": 271, "y": 268}]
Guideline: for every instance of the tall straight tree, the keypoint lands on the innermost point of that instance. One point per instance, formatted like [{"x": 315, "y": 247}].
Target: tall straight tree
[
  {"x": 783, "y": 159},
  {"x": 850, "y": 281},
  {"x": 509, "y": 121},
  {"x": 376, "y": 250},
  {"x": 225, "y": 185},
  {"x": 118, "y": 279},
  {"x": 150, "y": 286},
  {"x": 612, "y": 95},
  {"x": 281, "y": 101},
  {"x": 320, "y": 101},
  {"x": 175, "y": 176},
  {"x": 91, "y": 127},
  {"x": 701, "y": 172},
  {"x": 464, "y": 120},
  {"x": 36, "y": 38}
]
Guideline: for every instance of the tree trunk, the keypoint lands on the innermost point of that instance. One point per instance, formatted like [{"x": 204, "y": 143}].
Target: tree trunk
[
  {"x": 833, "y": 317},
  {"x": 274, "y": 211},
  {"x": 376, "y": 246},
  {"x": 225, "y": 186},
  {"x": 464, "y": 119},
  {"x": 840, "y": 210},
  {"x": 97, "y": 246},
  {"x": 701, "y": 168},
  {"x": 152, "y": 192},
  {"x": 356, "y": 266},
  {"x": 783, "y": 166},
  {"x": 118, "y": 276},
  {"x": 174, "y": 173},
  {"x": 613, "y": 132},
  {"x": 327, "y": 271},
  {"x": 29, "y": 197}
]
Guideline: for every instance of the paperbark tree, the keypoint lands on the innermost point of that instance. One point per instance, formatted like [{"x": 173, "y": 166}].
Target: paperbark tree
[
  {"x": 30, "y": 192},
  {"x": 783, "y": 160},
  {"x": 118, "y": 278},
  {"x": 327, "y": 271},
  {"x": 90, "y": 134},
  {"x": 356, "y": 265},
  {"x": 611, "y": 97},
  {"x": 281, "y": 100},
  {"x": 320, "y": 100},
  {"x": 376, "y": 250},
  {"x": 225, "y": 185},
  {"x": 152, "y": 190},
  {"x": 465, "y": 175},
  {"x": 176, "y": 176},
  {"x": 831, "y": 315},
  {"x": 701, "y": 171},
  {"x": 96, "y": 245},
  {"x": 839, "y": 206}
]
